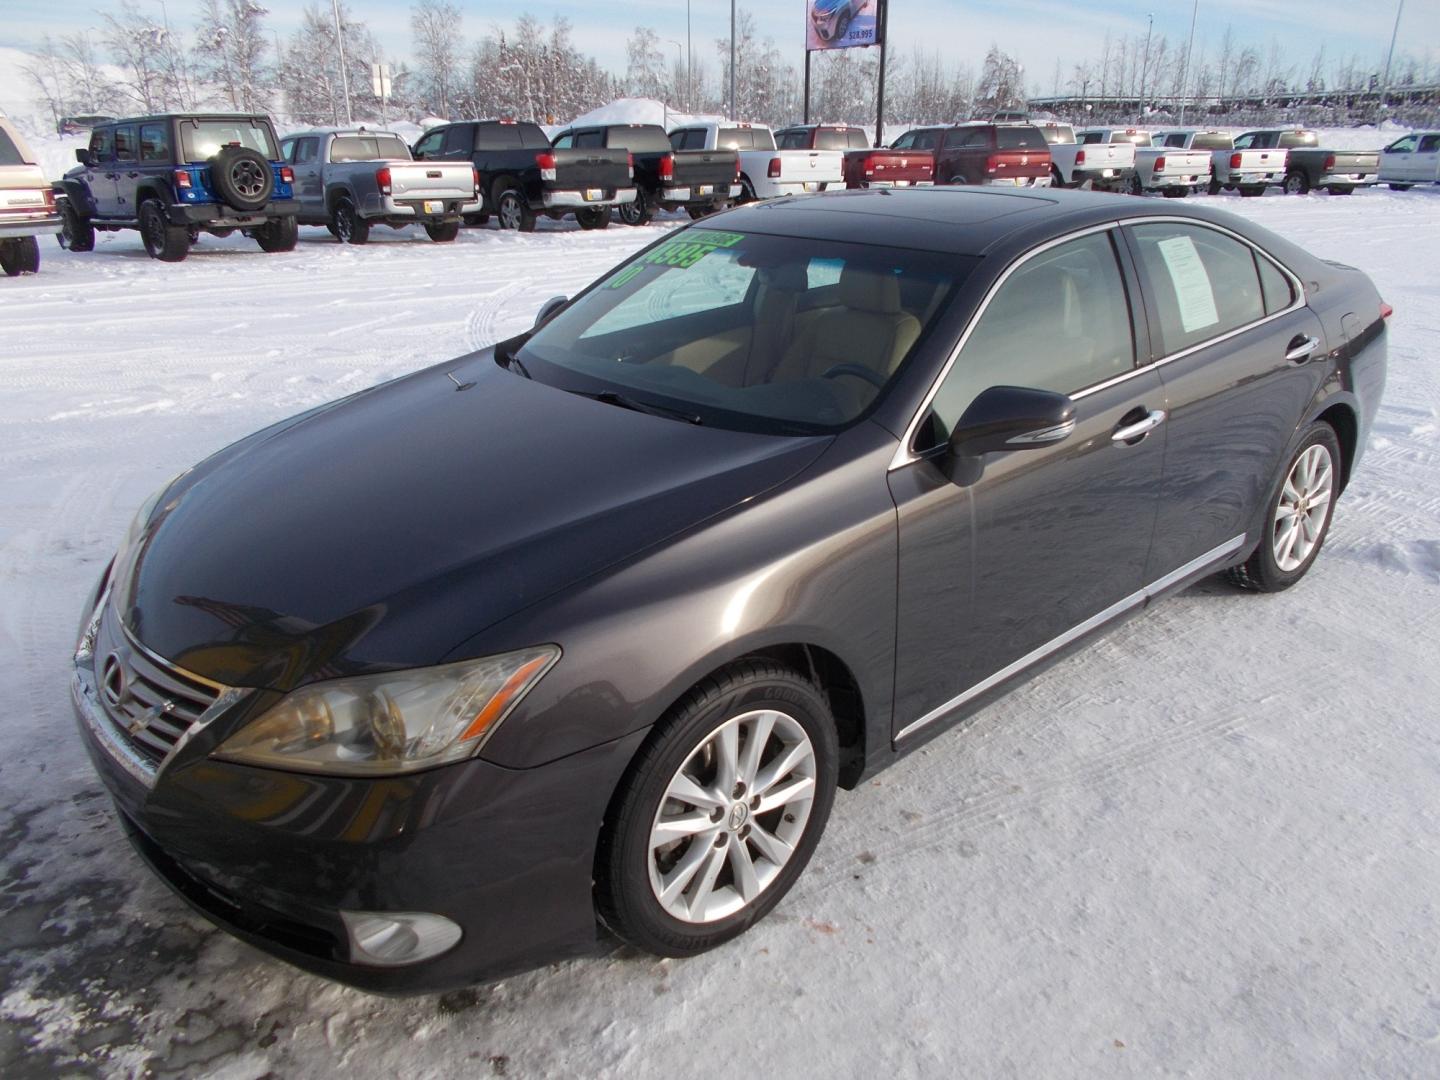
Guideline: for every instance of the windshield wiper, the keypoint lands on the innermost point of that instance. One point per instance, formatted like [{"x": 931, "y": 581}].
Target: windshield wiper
[{"x": 610, "y": 397}]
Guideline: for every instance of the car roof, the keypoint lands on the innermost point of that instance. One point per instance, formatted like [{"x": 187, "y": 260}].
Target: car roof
[
  {"x": 948, "y": 219},
  {"x": 185, "y": 116}
]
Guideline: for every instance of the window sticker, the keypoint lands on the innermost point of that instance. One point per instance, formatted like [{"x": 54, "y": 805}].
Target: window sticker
[
  {"x": 1193, "y": 292},
  {"x": 683, "y": 252}
]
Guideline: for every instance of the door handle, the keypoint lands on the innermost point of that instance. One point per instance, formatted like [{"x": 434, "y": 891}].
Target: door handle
[
  {"x": 1140, "y": 428},
  {"x": 1301, "y": 347}
]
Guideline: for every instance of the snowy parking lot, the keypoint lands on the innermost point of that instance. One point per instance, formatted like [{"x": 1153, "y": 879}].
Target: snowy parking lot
[{"x": 1207, "y": 846}]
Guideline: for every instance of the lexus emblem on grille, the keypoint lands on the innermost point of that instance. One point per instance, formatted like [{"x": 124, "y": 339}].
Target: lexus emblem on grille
[{"x": 112, "y": 681}]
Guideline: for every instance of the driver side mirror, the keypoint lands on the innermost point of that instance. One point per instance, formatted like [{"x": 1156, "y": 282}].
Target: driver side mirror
[
  {"x": 85, "y": 157},
  {"x": 1007, "y": 418},
  {"x": 548, "y": 311}
]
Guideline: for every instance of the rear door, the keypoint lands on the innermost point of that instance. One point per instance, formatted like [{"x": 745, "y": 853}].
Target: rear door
[
  {"x": 1425, "y": 162},
  {"x": 1225, "y": 320},
  {"x": 1046, "y": 540}
]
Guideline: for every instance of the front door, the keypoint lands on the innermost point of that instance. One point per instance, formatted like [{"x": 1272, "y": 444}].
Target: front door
[
  {"x": 127, "y": 170},
  {"x": 997, "y": 571},
  {"x": 101, "y": 175}
]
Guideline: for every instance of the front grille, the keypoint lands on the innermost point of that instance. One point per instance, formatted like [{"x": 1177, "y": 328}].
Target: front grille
[{"x": 149, "y": 702}]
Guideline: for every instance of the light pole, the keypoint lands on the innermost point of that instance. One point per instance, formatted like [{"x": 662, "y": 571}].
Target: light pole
[
  {"x": 344, "y": 75},
  {"x": 689, "y": 64},
  {"x": 732, "y": 61},
  {"x": 1385, "y": 82},
  {"x": 1145, "y": 64},
  {"x": 1189, "y": 51}
]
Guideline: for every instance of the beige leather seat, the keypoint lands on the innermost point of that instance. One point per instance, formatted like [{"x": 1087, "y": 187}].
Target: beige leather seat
[{"x": 867, "y": 327}]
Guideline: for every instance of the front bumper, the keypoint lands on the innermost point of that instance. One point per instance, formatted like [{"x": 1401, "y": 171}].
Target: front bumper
[
  {"x": 13, "y": 226},
  {"x": 217, "y": 216},
  {"x": 576, "y": 200},
  {"x": 274, "y": 857}
]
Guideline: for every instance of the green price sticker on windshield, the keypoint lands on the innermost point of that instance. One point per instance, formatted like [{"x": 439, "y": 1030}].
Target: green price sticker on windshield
[{"x": 682, "y": 252}]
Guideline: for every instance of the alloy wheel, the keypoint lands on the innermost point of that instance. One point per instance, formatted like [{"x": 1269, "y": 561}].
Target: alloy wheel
[
  {"x": 248, "y": 179},
  {"x": 1303, "y": 508},
  {"x": 509, "y": 210},
  {"x": 732, "y": 816}
]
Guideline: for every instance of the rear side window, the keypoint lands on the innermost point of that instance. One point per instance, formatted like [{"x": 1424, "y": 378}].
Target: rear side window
[
  {"x": 155, "y": 142},
  {"x": 1275, "y": 287},
  {"x": 490, "y": 137},
  {"x": 1178, "y": 140},
  {"x": 9, "y": 152},
  {"x": 1203, "y": 282},
  {"x": 963, "y": 138},
  {"x": 646, "y": 139},
  {"x": 532, "y": 137},
  {"x": 1019, "y": 138},
  {"x": 1060, "y": 322},
  {"x": 1429, "y": 144}
]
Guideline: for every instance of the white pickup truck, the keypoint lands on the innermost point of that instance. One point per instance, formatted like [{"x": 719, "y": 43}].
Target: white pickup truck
[
  {"x": 1411, "y": 159},
  {"x": 765, "y": 172},
  {"x": 1088, "y": 158},
  {"x": 1232, "y": 165},
  {"x": 27, "y": 204},
  {"x": 1168, "y": 167}
]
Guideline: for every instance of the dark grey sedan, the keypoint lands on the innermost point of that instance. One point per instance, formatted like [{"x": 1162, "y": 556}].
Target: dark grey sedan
[{"x": 430, "y": 684}]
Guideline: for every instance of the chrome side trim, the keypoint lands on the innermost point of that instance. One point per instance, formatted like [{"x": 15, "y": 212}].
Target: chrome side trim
[
  {"x": 904, "y": 454},
  {"x": 1054, "y": 645}
]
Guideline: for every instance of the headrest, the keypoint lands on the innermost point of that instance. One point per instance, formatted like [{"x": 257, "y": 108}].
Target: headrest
[
  {"x": 862, "y": 289},
  {"x": 788, "y": 277}
]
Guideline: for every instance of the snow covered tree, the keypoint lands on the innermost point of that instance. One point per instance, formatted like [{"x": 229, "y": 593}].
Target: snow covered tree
[
  {"x": 645, "y": 72},
  {"x": 232, "y": 45},
  {"x": 1000, "y": 82},
  {"x": 436, "y": 33}
]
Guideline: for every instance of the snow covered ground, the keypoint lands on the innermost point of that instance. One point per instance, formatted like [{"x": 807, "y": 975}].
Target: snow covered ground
[{"x": 1207, "y": 846}]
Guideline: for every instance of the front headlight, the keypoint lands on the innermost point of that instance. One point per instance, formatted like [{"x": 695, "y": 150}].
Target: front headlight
[{"x": 399, "y": 722}]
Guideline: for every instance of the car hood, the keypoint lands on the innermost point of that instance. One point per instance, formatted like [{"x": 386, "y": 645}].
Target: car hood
[{"x": 384, "y": 530}]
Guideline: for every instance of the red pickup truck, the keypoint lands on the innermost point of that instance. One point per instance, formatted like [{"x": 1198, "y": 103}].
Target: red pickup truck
[
  {"x": 865, "y": 165},
  {"x": 1012, "y": 155}
]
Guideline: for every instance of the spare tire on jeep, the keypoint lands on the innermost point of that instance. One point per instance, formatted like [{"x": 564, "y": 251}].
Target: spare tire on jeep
[{"x": 242, "y": 177}]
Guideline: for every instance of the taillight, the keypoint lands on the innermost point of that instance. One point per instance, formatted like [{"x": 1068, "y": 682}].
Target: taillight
[
  {"x": 1079, "y": 157},
  {"x": 869, "y": 165},
  {"x": 546, "y": 161},
  {"x": 382, "y": 180},
  {"x": 773, "y": 172},
  {"x": 737, "y": 168},
  {"x": 1234, "y": 161},
  {"x": 182, "y": 178},
  {"x": 1159, "y": 163},
  {"x": 287, "y": 174},
  {"x": 1386, "y": 310},
  {"x": 667, "y": 167},
  {"x": 630, "y": 164},
  {"x": 476, "y": 174},
  {"x": 1329, "y": 162},
  {"x": 49, "y": 199}
]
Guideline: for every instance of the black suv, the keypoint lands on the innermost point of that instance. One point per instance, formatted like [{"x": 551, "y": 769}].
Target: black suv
[{"x": 177, "y": 175}]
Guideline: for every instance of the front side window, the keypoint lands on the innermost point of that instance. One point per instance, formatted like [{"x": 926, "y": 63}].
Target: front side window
[
  {"x": 1245, "y": 142},
  {"x": 155, "y": 142},
  {"x": 904, "y": 142},
  {"x": 1060, "y": 322},
  {"x": 460, "y": 139},
  {"x": 1402, "y": 146},
  {"x": 125, "y": 144},
  {"x": 1203, "y": 282},
  {"x": 747, "y": 331},
  {"x": 200, "y": 140},
  {"x": 429, "y": 145},
  {"x": 307, "y": 150},
  {"x": 590, "y": 140},
  {"x": 562, "y": 142},
  {"x": 102, "y": 143}
]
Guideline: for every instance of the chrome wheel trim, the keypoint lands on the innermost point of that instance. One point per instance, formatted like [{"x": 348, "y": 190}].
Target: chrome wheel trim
[
  {"x": 1303, "y": 509},
  {"x": 732, "y": 816},
  {"x": 509, "y": 210}
]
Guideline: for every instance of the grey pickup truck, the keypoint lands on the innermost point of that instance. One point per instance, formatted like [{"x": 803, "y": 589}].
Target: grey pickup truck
[
  {"x": 350, "y": 179},
  {"x": 522, "y": 176},
  {"x": 1308, "y": 165}
]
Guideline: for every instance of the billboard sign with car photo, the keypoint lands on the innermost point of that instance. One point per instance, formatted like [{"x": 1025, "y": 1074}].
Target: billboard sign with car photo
[{"x": 842, "y": 24}]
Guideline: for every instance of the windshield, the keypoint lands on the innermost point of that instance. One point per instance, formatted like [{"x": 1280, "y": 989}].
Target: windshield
[
  {"x": 746, "y": 331},
  {"x": 202, "y": 139},
  {"x": 368, "y": 148}
]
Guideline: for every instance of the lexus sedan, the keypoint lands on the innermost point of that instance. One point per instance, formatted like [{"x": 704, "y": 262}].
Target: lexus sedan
[{"x": 582, "y": 632}]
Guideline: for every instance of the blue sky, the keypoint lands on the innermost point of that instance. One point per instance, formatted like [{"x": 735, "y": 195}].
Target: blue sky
[{"x": 1036, "y": 31}]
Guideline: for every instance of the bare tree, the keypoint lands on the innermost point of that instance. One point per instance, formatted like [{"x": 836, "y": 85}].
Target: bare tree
[{"x": 435, "y": 29}]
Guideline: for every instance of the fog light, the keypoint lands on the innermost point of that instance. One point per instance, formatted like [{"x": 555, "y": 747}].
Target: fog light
[{"x": 392, "y": 938}]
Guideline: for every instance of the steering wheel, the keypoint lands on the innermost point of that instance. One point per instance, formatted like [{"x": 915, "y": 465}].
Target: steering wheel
[{"x": 860, "y": 371}]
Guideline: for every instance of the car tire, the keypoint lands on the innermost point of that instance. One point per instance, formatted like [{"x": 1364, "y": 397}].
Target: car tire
[
  {"x": 278, "y": 234},
  {"x": 960, "y": 179},
  {"x": 1056, "y": 180},
  {"x": 1175, "y": 192},
  {"x": 442, "y": 232},
  {"x": 701, "y": 211},
  {"x": 1137, "y": 186},
  {"x": 350, "y": 227},
  {"x": 1213, "y": 188},
  {"x": 1297, "y": 183},
  {"x": 682, "y": 896},
  {"x": 76, "y": 233},
  {"x": 476, "y": 221},
  {"x": 163, "y": 241},
  {"x": 19, "y": 256},
  {"x": 242, "y": 177},
  {"x": 639, "y": 212},
  {"x": 513, "y": 211},
  {"x": 1341, "y": 189},
  {"x": 1401, "y": 187},
  {"x": 747, "y": 192},
  {"x": 1297, "y": 516},
  {"x": 594, "y": 217},
  {"x": 1252, "y": 191}
]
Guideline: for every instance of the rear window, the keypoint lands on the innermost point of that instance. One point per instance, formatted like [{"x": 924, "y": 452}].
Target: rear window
[
  {"x": 1019, "y": 138},
  {"x": 9, "y": 152},
  {"x": 1210, "y": 140},
  {"x": 1139, "y": 138},
  {"x": 745, "y": 139},
  {"x": 368, "y": 148},
  {"x": 1293, "y": 139},
  {"x": 840, "y": 139},
  {"x": 201, "y": 140},
  {"x": 645, "y": 138}
]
